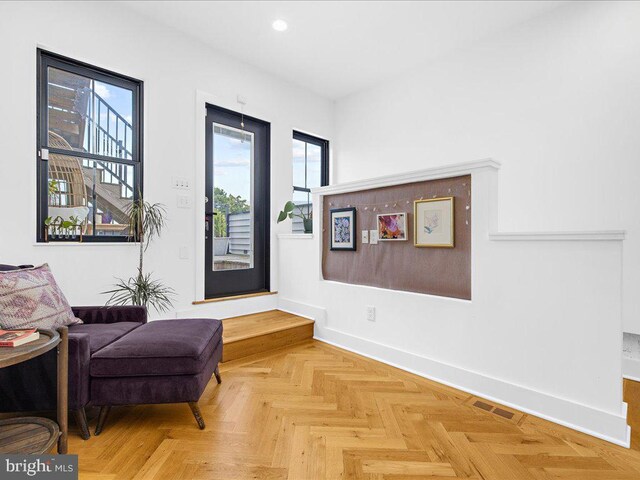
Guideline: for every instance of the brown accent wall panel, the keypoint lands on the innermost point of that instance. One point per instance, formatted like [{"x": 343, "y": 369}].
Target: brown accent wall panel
[{"x": 399, "y": 265}]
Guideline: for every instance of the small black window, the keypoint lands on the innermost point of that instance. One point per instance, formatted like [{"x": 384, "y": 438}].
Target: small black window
[
  {"x": 89, "y": 150},
  {"x": 310, "y": 170}
]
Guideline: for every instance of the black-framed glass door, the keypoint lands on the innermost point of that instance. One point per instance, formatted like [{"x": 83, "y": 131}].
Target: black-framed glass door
[{"x": 237, "y": 208}]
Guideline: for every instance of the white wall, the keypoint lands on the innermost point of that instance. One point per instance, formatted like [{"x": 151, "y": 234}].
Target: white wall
[
  {"x": 555, "y": 100},
  {"x": 542, "y": 331},
  {"x": 173, "y": 69}
]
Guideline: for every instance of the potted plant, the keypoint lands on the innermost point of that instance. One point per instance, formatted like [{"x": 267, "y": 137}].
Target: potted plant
[
  {"x": 289, "y": 211},
  {"x": 60, "y": 229},
  {"x": 146, "y": 221},
  {"x": 75, "y": 227},
  {"x": 49, "y": 228},
  {"x": 54, "y": 228}
]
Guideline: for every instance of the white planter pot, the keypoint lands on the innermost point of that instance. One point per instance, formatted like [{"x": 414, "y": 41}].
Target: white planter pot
[{"x": 220, "y": 246}]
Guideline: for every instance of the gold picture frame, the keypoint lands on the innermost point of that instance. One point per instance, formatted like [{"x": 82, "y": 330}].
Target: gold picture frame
[{"x": 433, "y": 223}]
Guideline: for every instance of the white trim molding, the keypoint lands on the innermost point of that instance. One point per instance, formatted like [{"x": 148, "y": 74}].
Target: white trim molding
[
  {"x": 608, "y": 426},
  {"x": 231, "y": 308},
  {"x": 598, "y": 235},
  {"x": 452, "y": 170},
  {"x": 86, "y": 244},
  {"x": 466, "y": 168},
  {"x": 437, "y": 298},
  {"x": 295, "y": 236}
]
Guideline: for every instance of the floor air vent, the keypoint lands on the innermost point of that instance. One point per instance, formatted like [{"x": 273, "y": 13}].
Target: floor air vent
[{"x": 511, "y": 415}]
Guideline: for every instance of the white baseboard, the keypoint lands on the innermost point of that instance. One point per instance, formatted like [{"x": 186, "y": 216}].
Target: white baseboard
[
  {"x": 631, "y": 369},
  {"x": 312, "y": 312},
  {"x": 607, "y": 426}
]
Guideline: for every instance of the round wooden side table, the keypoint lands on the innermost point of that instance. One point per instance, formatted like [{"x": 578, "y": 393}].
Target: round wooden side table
[{"x": 36, "y": 435}]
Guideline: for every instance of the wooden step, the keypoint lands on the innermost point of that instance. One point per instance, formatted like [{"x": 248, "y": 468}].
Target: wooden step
[
  {"x": 260, "y": 332},
  {"x": 631, "y": 395}
]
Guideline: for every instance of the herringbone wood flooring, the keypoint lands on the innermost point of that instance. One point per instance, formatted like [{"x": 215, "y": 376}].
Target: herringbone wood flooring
[{"x": 313, "y": 411}]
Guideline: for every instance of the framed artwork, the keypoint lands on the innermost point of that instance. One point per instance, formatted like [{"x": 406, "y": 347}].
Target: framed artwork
[
  {"x": 433, "y": 222},
  {"x": 392, "y": 227},
  {"x": 343, "y": 229}
]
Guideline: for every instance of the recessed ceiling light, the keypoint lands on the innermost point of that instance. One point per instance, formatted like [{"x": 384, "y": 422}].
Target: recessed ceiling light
[{"x": 279, "y": 25}]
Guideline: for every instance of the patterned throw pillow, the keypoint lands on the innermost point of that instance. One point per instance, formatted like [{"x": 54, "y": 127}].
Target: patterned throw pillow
[{"x": 31, "y": 298}]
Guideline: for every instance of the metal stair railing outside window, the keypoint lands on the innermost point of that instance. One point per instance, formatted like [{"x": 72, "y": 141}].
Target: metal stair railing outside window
[{"x": 106, "y": 144}]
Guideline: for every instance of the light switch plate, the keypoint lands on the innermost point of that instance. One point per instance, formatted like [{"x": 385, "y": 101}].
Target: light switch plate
[
  {"x": 181, "y": 183},
  {"x": 373, "y": 237},
  {"x": 365, "y": 236}
]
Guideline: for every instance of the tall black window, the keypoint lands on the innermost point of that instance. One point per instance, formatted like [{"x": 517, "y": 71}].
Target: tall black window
[
  {"x": 310, "y": 170},
  {"x": 89, "y": 150}
]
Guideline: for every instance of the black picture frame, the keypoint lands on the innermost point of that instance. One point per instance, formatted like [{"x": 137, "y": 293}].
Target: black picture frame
[{"x": 333, "y": 213}]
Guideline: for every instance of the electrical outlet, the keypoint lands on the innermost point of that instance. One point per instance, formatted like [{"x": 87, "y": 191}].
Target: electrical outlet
[
  {"x": 371, "y": 313},
  {"x": 184, "y": 201},
  {"x": 365, "y": 236},
  {"x": 373, "y": 237}
]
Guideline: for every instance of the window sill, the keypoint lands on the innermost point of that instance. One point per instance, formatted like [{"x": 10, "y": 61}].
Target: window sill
[
  {"x": 295, "y": 236},
  {"x": 88, "y": 244}
]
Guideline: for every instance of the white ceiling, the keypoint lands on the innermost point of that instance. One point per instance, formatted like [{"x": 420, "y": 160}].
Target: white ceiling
[{"x": 337, "y": 48}]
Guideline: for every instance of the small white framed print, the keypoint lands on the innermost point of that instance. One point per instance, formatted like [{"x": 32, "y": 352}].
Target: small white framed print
[{"x": 433, "y": 222}]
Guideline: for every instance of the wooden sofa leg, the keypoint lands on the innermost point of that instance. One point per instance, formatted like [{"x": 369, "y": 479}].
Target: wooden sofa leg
[
  {"x": 81, "y": 420},
  {"x": 195, "y": 409},
  {"x": 104, "y": 411},
  {"x": 216, "y": 372}
]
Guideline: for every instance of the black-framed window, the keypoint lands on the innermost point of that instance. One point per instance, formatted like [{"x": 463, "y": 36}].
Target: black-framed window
[
  {"x": 89, "y": 158},
  {"x": 310, "y": 170}
]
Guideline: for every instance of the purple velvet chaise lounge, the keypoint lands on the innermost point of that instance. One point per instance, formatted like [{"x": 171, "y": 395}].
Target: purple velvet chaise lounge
[{"x": 117, "y": 358}]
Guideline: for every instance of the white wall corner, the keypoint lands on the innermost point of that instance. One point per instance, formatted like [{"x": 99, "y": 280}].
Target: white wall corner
[{"x": 312, "y": 312}]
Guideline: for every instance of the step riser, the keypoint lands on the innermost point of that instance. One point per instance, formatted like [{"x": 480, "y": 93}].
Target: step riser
[{"x": 263, "y": 343}]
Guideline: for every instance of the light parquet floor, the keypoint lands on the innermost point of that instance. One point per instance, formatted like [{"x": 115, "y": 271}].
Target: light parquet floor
[{"x": 312, "y": 411}]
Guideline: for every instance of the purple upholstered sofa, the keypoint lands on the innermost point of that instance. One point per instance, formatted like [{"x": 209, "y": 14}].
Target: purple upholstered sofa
[{"x": 117, "y": 358}]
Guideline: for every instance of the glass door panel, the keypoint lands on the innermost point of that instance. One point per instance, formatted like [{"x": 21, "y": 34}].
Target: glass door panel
[{"x": 233, "y": 221}]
